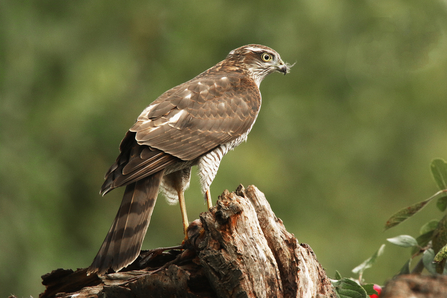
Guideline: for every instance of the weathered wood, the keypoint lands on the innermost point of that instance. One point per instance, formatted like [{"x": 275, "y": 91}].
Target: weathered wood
[
  {"x": 300, "y": 271},
  {"x": 237, "y": 249}
]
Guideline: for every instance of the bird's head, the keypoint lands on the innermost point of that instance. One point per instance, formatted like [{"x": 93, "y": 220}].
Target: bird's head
[{"x": 259, "y": 61}]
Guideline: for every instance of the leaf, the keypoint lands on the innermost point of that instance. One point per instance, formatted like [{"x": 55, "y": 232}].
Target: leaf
[
  {"x": 441, "y": 255},
  {"x": 426, "y": 232},
  {"x": 405, "y": 268},
  {"x": 442, "y": 203},
  {"x": 369, "y": 262},
  {"x": 347, "y": 288},
  {"x": 423, "y": 241},
  {"x": 439, "y": 171},
  {"x": 424, "y": 238},
  {"x": 338, "y": 275},
  {"x": 403, "y": 241},
  {"x": 427, "y": 259},
  {"x": 406, "y": 213},
  {"x": 369, "y": 288},
  {"x": 429, "y": 226}
]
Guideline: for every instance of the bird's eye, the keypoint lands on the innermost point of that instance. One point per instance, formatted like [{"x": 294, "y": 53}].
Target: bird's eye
[{"x": 266, "y": 57}]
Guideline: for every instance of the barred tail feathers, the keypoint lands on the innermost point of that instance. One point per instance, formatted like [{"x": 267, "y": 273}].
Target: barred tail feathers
[{"x": 123, "y": 241}]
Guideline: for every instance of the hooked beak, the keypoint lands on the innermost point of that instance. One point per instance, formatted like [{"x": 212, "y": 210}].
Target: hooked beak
[{"x": 284, "y": 67}]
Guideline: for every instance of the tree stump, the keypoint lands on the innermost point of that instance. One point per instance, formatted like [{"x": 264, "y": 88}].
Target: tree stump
[{"x": 237, "y": 249}]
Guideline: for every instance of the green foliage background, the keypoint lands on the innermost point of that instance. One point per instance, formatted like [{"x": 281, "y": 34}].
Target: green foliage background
[{"x": 341, "y": 143}]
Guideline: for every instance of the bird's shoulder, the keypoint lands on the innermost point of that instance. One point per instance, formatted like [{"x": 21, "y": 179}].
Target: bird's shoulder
[
  {"x": 212, "y": 90},
  {"x": 192, "y": 118}
]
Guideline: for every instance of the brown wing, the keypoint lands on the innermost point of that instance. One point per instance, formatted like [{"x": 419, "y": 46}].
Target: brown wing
[
  {"x": 199, "y": 115},
  {"x": 184, "y": 123},
  {"x": 134, "y": 163}
]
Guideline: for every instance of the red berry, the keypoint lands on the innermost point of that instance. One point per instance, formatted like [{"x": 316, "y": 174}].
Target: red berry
[{"x": 378, "y": 290}]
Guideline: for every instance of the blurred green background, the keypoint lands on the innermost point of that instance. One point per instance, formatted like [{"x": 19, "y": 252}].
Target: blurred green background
[{"x": 341, "y": 143}]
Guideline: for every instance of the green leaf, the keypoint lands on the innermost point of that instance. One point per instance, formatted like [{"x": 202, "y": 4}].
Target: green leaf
[
  {"x": 369, "y": 288},
  {"x": 441, "y": 255},
  {"x": 429, "y": 226},
  {"x": 368, "y": 262},
  {"x": 426, "y": 232},
  {"x": 439, "y": 171},
  {"x": 442, "y": 203},
  {"x": 403, "y": 241},
  {"x": 423, "y": 241},
  {"x": 427, "y": 259},
  {"x": 405, "y": 268},
  {"x": 338, "y": 275},
  {"x": 424, "y": 238},
  {"x": 406, "y": 213},
  {"x": 347, "y": 288}
]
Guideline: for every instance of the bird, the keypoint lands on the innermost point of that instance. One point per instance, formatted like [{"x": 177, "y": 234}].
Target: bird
[{"x": 193, "y": 124}]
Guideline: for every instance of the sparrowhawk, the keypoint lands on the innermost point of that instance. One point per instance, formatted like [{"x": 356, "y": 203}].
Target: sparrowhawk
[{"x": 193, "y": 124}]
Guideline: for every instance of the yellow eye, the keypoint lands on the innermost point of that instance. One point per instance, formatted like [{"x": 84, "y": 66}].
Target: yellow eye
[{"x": 266, "y": 57}]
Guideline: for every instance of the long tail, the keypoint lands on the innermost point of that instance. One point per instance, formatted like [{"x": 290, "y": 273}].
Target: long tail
[{"x": 123, "y": 241}]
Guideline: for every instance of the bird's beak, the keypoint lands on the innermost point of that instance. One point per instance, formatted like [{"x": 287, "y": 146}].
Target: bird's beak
[{"x": 284, "y": 67}]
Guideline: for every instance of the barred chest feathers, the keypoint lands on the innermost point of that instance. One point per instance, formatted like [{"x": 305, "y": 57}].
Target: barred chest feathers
[{"x": 208, "y": 164}]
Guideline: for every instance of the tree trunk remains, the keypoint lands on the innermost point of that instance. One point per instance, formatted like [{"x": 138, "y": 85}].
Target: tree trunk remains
[{"x": 237, "y": 249}]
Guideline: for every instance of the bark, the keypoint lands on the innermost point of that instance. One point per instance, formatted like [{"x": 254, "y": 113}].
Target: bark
[{"x": 237, "y": 249}]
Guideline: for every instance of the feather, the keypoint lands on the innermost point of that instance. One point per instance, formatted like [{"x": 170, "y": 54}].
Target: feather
[{"x": 123, "y": 241}]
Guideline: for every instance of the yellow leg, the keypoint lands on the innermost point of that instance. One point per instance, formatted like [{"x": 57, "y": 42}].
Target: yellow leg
[
  {"x": 185, "y": 221},
  {"x": 209, "y": 201}
]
